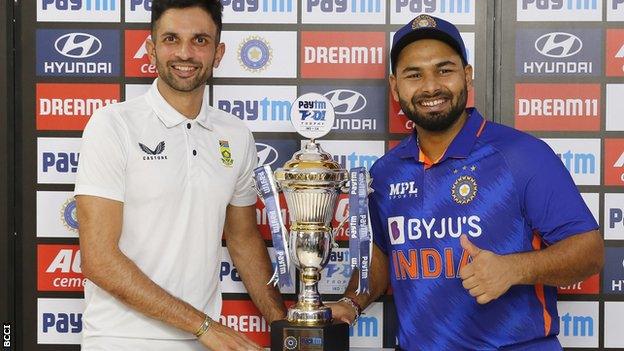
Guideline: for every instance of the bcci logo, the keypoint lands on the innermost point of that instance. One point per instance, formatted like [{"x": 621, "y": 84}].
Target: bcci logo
[
  {"x": 290, "y": 343},
  {"x": 68, "y": 215},
  {"x": 464, "y": 190},
  {"x": 255, "y": 54},
  {"x": 423, "y": 21},
  {"x": 226, "y": 154}
]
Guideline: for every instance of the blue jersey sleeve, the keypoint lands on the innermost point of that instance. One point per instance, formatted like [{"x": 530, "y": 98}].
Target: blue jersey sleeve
[
  {"x": 552, "y": 204},
  {"x": 379, "y": 236}
]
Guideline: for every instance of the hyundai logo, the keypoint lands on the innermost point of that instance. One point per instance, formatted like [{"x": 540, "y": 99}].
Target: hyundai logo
[
  {"x": 78, "y": 45},
  {"x": 345, "y": 101},
  {"x": 558, "y": 44},
  {"x": 267, "y": 154}
]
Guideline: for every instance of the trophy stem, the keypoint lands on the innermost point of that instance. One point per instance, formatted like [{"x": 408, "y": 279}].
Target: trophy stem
[{"x": 309, "y": 309}]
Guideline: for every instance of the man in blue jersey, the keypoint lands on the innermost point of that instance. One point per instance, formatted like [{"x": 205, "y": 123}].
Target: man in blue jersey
[{"x": 475, "y": 223}]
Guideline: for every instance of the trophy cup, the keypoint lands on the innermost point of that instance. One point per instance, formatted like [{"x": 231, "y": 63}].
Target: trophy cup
[{"x": 311, "y": 182}]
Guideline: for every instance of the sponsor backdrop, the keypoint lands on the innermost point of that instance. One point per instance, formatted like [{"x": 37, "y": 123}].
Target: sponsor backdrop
[{"x": 558, "y": 63}]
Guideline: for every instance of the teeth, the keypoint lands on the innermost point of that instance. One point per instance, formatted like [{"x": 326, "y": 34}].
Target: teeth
[
  {"x": 184, "y": 68},
  {"x": 432, "y": 103}
]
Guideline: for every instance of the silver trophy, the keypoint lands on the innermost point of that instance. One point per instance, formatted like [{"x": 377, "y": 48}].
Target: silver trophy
[{"x": 311, "y": 182}]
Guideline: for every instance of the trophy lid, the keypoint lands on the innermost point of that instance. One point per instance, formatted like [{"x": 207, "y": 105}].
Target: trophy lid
[{"x": 311, "y": 164}]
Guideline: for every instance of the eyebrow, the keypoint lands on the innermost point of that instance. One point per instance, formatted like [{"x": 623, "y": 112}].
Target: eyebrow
[
  {"x": 200, "y": 34},
  {"x": 438, "y": 65}
]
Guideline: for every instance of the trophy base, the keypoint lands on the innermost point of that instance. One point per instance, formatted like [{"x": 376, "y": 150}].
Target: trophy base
[{"x": 288, "y": 336}]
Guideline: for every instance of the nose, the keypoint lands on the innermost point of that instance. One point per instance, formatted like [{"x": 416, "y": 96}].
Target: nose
[
  {"x": 430, "y": 84},
  {"x": 184, "y": 51}
]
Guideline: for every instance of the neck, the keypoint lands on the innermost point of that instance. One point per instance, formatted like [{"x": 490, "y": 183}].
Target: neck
[
  {"x": 187, "y": 103},
  {"x": 434, "y": 143}
]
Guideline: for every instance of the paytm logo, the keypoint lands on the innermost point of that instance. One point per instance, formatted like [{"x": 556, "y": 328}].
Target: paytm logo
[
  {"x": 367, "y": 332},
  {"x": 259, "y": 11},
  {"x": 614, "y": 217},
  {"x": 454, "y": 11},
  {"x": 87, "y": 53},
  {"x": 357, "y": 109},
  {"x": 57, "y": 160},
  {"x": 259, "y": 5},
  {"x": 262, "y": 108},
  {"x": 615, "y": 10},
  {"x": 59, "y": 321},
  {"x": 366, "y": 327},
  {"x": 578, "y": 323},
  {"x": 581, "y": 157},
  {"x": 559, "y": 10},
  {"x": 335, "y": 276},
  {"x": 78, "y": 11},
  {"x": 344, "y": 11},
  {"x": 354, "y": 153},
  {"x": 573, "y": 52},
  {"x": 138, "y": 11}
]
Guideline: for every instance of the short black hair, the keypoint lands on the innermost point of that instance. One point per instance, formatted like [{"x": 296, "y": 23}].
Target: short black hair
[{"x": 213, "y": 7}]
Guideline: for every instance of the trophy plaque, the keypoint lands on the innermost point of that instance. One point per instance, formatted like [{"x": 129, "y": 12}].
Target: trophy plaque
[{"x": 311, "y": 182}]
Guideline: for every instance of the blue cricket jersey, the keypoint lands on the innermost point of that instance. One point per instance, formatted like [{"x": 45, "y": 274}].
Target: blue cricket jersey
[{"x": 509, "y": 193}]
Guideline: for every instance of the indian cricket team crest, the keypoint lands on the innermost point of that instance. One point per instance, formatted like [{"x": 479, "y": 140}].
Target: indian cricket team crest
[
  {"x": 464, "y": 189},
  {"x": 423, "y": 21},
  {"x": 255, "y": 53},
  {"x": 226, "y": 153},
  {"x": 68, "y": 215}
]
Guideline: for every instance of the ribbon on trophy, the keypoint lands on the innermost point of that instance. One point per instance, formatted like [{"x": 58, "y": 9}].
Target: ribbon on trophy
[
  {"x": 359, "y": 233},
  {"x": 267, "y": 190}
]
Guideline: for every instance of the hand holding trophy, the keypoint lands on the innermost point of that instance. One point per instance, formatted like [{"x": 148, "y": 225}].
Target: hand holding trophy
[{"x": 311, "y": 181}]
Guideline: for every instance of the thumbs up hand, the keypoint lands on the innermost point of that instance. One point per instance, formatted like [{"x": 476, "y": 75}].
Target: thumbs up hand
[{"x": 488, "y": 276}]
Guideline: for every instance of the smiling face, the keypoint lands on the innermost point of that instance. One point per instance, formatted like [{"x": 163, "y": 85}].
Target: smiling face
[
  {"x": 185, "y": 48},
  {"x": 431, "y": 84}
]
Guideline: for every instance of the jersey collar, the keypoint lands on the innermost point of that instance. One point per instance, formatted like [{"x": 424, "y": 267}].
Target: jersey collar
[
  {"x": 169, "y": 116},
  {"x": 461, "y": 145}
]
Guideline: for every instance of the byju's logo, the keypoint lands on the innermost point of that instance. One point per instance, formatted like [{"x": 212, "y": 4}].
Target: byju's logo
[
  {"x": 558, "y": 44},
  {"x": 154, "y": 154},
  {"x": 559, "y": 10},
  {"x": 395, "y": 230},
  {"x": 78, "y": 11},
  {"x": 88, "y": 53}
]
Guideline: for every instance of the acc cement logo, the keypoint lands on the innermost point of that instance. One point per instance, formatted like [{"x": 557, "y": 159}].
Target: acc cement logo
[
  {"x": 78, "y": 45},
  {"x": 558, "y": 44},
  {"x": 254, "y": 54},
  {"x": 267, "y": 154},
  {"x": 346, "y": 101},
  {"x": 395, "y": 230}
]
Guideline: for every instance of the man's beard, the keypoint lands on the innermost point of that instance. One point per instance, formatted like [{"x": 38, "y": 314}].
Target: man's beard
[
  {"x": 186, "y": 85},
  {"x": 435, "y": 122}
]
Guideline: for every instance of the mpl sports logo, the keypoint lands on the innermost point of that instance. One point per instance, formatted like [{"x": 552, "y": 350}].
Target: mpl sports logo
[
  {"x": 78, "y": 10},
  {"x": 367, "y": 332},
  {"x": 615, "y": 10},
  {"x": 231, "y": 282},
  {"x": 259, "y": 11},
  {"x": 455, "y": 11},
  {"x": 556, "y": 52},
  {"x": 262, "y": 108},
  {"x": 354, "y": 153},
  {"x": 57, "y": 160},
  {"x": 138, "y": 11},
  {"x": 344, "y": 12},
  {"x": 69, "y": 106},
  {"x": 559, "y": 10},
  {"x": 259, "y": 55},
  {"x": 56, "y": 215},
  {"x": 615, "y": 106},
  {"x": 578, "y": 323},
  {"x": 59, "y": 321},
  {"x": 558, "y": 107},
  {"x": 137, "y": 61},
  {"x": 614, "y": 162},
  {"x": 58, "y": 268},
  {"x": 357, "y": 109},
  {"x": 580, "y": 156},
  {"x": 335, "y": 276},
  {"x": 614, "y": 217},
  {"x": 613, "y": 276},
  {"x": 358, "y": 55},
  {"x": 77, "y": 53},
  {"x": 614, "y": 66}
]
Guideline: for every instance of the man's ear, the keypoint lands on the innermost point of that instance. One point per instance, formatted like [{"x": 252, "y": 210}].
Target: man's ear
[{"x": 219, "y": 52}]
